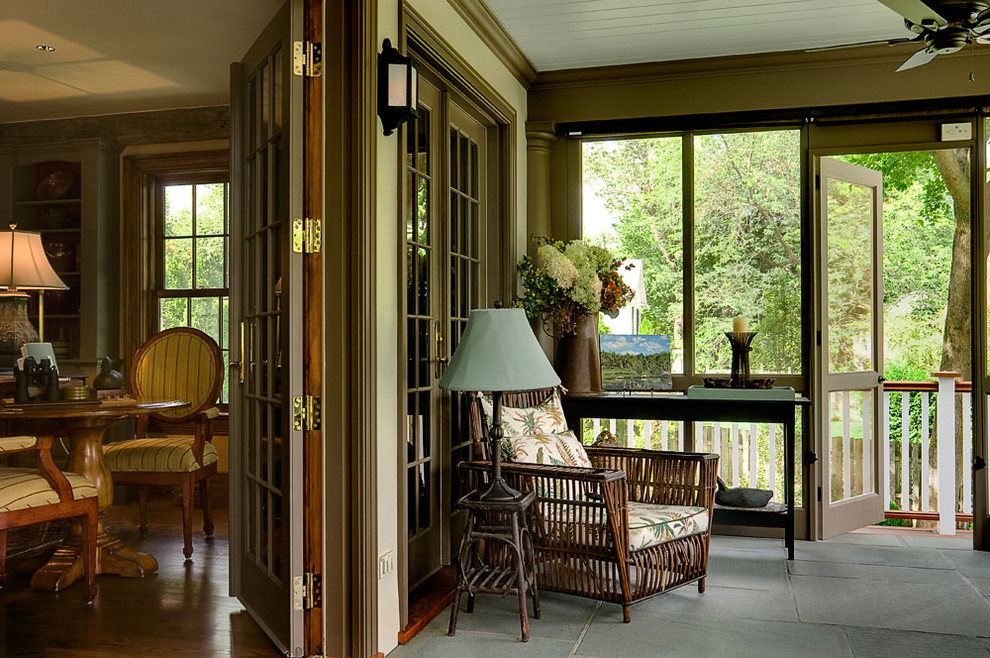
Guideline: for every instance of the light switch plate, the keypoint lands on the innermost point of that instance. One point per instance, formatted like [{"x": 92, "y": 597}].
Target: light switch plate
[{"x": 954, "y": 132}]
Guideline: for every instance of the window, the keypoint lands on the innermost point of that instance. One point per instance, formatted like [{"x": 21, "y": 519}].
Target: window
[{"x": 191, "y": 282}]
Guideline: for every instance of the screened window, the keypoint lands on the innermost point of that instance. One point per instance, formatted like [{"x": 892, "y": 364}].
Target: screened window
[
  {"x": 192, "y": 274},
  {"x": 742, "y": 227}
]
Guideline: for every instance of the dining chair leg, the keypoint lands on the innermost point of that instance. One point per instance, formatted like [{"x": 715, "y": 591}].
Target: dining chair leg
[
  {"x": 206, "y": 498},
  {"x": 187, "y": 503},
  {"x": 3, "y": 557},
  {"x": 143, "y": 509},
  {"x": 89, "y": 550}
]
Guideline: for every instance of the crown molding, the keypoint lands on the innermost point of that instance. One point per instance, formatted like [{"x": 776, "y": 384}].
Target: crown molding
[
  {"x": 488, "y": 28},
  {"x": 716, "y": 67}
]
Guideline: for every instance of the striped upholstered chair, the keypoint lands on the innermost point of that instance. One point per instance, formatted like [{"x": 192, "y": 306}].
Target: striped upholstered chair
[
  {"x": 36, "y": 495},
  {"x": 177, "y": 363}
]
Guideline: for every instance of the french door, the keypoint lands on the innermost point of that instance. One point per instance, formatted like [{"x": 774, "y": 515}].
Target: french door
[
  {"x": 266, "y": 529},
  {"x": 446, "y": 197},
  {"x": 850, "y": 200}
]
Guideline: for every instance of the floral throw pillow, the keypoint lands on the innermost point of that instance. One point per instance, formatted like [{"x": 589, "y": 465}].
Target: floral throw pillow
[
  {"x": 555, "y": 449},
  {"x": 545, "y": 418}
]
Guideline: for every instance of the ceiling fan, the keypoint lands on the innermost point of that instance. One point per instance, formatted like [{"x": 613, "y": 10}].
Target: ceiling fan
[{"x": 941, "y": 26}]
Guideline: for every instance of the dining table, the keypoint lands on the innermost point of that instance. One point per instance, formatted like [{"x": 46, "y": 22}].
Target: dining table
[{"x": 83, "y": 424}]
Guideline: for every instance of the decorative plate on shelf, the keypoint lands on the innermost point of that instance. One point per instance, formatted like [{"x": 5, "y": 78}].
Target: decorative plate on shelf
[{"x": 55, "y": 185}]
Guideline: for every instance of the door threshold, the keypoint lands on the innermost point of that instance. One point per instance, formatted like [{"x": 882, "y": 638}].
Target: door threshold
[{"x": 428, "y": 600}]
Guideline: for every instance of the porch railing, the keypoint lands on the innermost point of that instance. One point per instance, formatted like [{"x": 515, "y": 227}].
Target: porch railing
[{"x": 914, "y": 418}]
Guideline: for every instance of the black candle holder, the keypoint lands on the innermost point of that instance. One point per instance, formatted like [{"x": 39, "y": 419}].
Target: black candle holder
[{"x": 740, "y": 342}]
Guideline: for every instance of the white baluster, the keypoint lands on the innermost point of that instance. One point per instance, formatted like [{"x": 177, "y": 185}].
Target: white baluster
[
  {"x": 945, "y": 418},
  {"x": 648, "y": 434},
  {"x": 680, "y": 435},
  {"x": 926, "y": 446},
  {"x": 905, "y": 450},
  {"x": 717, "y": 443},
  {"x": 967, "y": 452},
  {"x": 772, "y": 472},
  {"x": 596, "y": 428},
  {"x": 846, "y": 432},
  {"x": 734, "y": 438},
  {"x": 885, "y": 457},
  {"x": 631, "y": 434},
  {"x": 754, "y": 465}
]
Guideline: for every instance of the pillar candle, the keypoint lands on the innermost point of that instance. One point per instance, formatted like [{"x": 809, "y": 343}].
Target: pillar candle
[{"x": 740, "y": 325}]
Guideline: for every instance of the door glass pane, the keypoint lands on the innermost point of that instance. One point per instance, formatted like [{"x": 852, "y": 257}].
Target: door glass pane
[
  {"x": 850, "y": 276},
  {"x": 851, "y": 464}
]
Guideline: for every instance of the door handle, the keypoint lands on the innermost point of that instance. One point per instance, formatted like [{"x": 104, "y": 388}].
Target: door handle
[
  {"x": 439, "y": 362},
  {"x": 881, "y": 379},
  {"x": 979, "y": 463},
  {"x": 810, "y": 458}
]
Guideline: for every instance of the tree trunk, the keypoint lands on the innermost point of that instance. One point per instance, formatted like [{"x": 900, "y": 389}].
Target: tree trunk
[{"x": 957, "y": 335}]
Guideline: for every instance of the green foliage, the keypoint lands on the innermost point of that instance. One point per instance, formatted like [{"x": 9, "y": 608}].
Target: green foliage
[{"x": 897, "y": 523}]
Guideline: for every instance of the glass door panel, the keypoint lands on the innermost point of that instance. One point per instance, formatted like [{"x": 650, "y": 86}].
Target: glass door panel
[{"x": 850, "y": 199}]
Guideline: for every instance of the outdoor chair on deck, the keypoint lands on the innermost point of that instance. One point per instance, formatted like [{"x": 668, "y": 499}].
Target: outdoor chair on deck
[
  {"x": 634, "y": 525},
  {"x": 179, "y": 363},
  {"x": 37, "y": 495}
]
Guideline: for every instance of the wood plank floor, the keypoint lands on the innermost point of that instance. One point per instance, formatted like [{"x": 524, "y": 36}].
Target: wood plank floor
[{"x": 183, "y": 610}]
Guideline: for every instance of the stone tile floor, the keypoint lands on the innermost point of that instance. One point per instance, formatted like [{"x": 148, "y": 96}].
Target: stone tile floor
[{"x": 860, "y": 594}]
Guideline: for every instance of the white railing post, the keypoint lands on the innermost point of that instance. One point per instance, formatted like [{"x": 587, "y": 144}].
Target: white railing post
[
  {"x": 945, "y": 435},
  {"x": 754, "y": 458},
  {"x": 734, "y": 437},
  {"x": 772, "y": 472}
]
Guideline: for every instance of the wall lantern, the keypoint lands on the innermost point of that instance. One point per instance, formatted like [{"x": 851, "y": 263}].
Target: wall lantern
[{"x": 398, "y": 88}]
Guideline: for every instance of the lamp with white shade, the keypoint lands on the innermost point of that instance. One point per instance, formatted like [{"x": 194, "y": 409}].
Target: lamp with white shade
[
  {"x": 23, "y": 266},
  {"x": 498, "y": 352}
]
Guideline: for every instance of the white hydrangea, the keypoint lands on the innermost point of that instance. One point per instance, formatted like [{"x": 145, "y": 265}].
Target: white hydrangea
[
  {"x": 587, "y": 290},
  {"x": 557, "y": 266}
]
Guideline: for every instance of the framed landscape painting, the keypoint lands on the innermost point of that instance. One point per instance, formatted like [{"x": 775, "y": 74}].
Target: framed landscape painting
[{"x": 635, "y": 363}]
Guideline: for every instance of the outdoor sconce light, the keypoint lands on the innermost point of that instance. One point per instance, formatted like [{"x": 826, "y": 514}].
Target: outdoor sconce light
[{"x": 398, "y": 89}]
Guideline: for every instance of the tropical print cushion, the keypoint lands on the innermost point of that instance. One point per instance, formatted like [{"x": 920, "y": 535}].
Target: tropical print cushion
[
  {"x": 556, "y": 449},
  {"x": 545, "y": 418},
  {"x": 652, "y": 525},
  {"x": 23, "y": 488},
  {"x": 172, "y": 455}
]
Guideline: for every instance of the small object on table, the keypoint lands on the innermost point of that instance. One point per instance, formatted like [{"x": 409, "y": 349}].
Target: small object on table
[
  {"x": 20, "y": 385},
  {"x": 741, "y": 496},
  {"x": 51, "y": 384},
  {"x": 740, "y": 342},
  {"x": 512, "y": 571},
  {"x": 108, "y": 377}
]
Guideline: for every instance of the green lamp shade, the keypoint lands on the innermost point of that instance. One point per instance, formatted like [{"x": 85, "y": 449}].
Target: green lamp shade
[{"x": 498, "y": 352}]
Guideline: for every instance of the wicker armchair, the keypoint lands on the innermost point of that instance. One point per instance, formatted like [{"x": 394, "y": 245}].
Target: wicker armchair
[{"x": 580, "y": 522}]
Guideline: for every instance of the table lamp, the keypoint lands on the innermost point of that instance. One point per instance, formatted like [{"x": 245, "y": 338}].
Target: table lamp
[
  {"x": 498, "y": 352},
  {"x": 23, "y": 266}
]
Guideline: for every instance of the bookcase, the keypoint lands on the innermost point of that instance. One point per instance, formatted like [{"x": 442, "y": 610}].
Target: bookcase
[{"x": 69, "y": 192}]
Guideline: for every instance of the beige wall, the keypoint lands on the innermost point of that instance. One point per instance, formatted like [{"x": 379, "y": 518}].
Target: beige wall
[{"x": 443, "y": 18}]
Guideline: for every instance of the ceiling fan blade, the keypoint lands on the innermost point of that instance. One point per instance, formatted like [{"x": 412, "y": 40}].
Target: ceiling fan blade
[
  {"x": 879, "y": 42},
  {"x": 915, "y": 11},
  {"x": 918, "y": 59}
]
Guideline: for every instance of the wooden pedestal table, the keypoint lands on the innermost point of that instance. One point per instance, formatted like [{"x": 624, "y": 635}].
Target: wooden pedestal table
[{"x": 84, "y": 424}]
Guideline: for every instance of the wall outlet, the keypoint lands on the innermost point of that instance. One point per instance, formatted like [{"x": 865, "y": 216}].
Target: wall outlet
[
  {"x": 386, "y": 563},
  {"x": 954, "y": 132}
]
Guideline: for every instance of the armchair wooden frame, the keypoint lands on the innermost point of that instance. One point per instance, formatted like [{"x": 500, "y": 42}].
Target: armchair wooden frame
[
  {"x": 580, "y": 522},
  {"x": 201, "y": 412},
  {"x": 67, "y": 507}
]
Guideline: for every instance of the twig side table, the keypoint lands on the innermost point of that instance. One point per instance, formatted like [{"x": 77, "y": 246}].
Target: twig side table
[{"x": 483, "y": 569}]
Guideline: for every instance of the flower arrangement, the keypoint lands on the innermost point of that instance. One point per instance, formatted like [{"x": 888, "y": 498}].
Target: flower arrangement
[{"x": 564, "y": 281}]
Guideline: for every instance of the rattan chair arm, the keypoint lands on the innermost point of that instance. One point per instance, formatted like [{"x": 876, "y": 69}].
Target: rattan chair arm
[
  {"x": 661, "y": 476},
  {"x": 565, "y": 472}
]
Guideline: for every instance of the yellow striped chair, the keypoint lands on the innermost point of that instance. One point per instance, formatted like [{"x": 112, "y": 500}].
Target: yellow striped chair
[
  {"x": 36, "y": 495},
  {"x": 177, "y": 363}
]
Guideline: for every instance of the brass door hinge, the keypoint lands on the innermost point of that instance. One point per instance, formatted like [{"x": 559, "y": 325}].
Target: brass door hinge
[
  {"x": 307, "y": 236},
  {"x": 307, "y": 591},
  {"x": 306, "y": 413},
  {"x": 307, "y": 59}
]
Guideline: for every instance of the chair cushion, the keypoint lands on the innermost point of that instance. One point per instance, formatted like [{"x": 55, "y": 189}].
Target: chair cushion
[
  {"x": 557, "y": 449},
  {"x": 23, "y": 488},
  {"x": 652, "y": 525},
  {"x": 545, "y": 418},
  {"x": 167, "y": 455}
]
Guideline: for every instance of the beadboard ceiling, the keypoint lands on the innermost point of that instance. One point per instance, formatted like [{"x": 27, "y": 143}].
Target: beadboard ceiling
[
  {"x": 566, "y": 34},
  {"x": 121, "y": 55}
]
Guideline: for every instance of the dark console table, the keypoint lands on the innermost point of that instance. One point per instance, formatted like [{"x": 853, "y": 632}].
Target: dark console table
[{"x": 677, "y": 407}]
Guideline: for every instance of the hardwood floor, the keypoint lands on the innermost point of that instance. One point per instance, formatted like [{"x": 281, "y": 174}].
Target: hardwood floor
[{"x": 183, "y": 610}]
